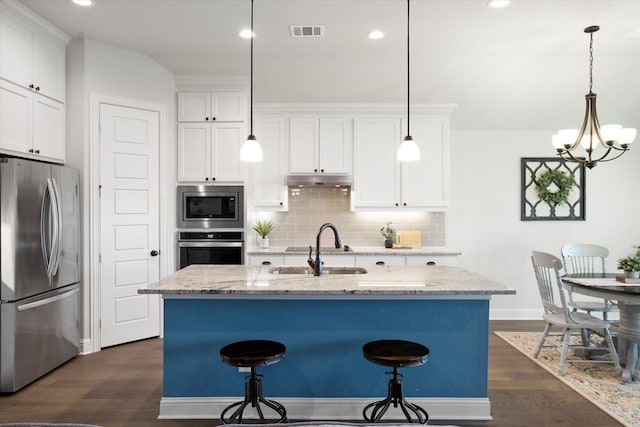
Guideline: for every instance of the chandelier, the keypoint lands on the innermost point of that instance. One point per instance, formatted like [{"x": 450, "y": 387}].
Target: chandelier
[{"x": 613, "y": 139}]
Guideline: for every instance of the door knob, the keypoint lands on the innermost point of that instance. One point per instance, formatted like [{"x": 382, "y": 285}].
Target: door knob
[{"x": 154, "y": 253}]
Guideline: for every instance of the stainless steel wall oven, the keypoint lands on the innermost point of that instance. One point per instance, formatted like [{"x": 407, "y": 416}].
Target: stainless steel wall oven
[
  {"x": 210, "y": 247},
  {"x": 210, "y": 207}
]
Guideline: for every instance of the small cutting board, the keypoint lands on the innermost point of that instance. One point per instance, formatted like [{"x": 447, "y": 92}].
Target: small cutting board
[{"x": 411, "y": 238}]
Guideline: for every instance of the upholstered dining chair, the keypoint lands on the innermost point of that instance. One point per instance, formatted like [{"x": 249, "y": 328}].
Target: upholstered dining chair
[
  {"x": 580, "y": 258},
  {"x": 557, "y": 312}
]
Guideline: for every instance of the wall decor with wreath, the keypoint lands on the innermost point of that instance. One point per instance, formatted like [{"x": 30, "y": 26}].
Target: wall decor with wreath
[{"x": 552, "y": 189}]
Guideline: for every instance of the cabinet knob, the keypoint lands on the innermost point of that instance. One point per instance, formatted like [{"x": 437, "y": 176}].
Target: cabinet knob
[
  {"x": 154, "y": 253},
  {"x": 404, "y": 204},
  {"x": 31, "y": 150},
  {"x": 38, "y": 88},
  {"x": 396, "y": 204},
  {"x": 213, "y": 179},
  {"x": 315, "y": 170},
  {"x": 206, "y": 118},
  {"x": 281, "y": 204},
  {"x": 206, "y": 179},
  {"x": 31, "y": 86},
  {"x": 266, "y": 262},
  {"x": 321, "y": 170},
  {"x": 213, "y": 118},
  {"x": 379, "y": 262},
  {"x": 37, "y": 151},
  {"x": 431, "y": 263}
]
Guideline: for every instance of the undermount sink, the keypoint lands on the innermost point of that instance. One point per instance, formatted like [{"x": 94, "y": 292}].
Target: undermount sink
[{"x": 309, "y": 270}]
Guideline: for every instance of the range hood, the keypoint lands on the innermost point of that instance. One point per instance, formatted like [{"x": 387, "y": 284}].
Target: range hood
[{"x": 319, "y": 180}]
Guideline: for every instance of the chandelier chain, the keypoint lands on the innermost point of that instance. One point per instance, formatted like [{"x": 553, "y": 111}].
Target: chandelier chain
[{"x": 591, "y": 62}]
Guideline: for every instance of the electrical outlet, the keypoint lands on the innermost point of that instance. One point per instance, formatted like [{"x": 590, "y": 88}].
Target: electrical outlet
[{"x": 244, "y": 369}]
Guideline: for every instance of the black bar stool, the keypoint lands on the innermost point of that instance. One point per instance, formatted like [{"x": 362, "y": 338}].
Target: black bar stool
[
  {"x": 396, "y": 354},
  {"x": 251, "y": 354}
]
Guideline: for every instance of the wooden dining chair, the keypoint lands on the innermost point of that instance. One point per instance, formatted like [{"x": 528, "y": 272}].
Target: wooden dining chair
[
  {"x": 581, "y": 258},
  {"x": 557, "y": 312}
]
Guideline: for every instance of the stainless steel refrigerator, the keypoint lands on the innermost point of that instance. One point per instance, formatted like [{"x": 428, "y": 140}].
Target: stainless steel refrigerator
[{"x": 40, "y": 269}]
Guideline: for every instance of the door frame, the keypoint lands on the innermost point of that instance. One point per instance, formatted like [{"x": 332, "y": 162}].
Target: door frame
[{"x": 95, "y": 101}]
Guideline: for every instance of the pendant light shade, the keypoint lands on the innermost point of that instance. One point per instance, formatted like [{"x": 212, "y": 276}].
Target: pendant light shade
[
  {"x": 408, "y": 150},
  {"x": 251, "y": 150}
]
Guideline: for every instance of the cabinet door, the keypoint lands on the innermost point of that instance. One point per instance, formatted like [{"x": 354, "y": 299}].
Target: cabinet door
[
  {"x": 270, "y": 177},
  {"x": 226, "y": 139},
  {"x": 15, "y": 45},
  {"x": 49, "y": 67},
  {"x": 425, "y": 183},
  {"x": 266, "y": 260},
  {"x": 376, "y": 172},
  {"x": 304, "y": 140},
  {"x": 426, "y": 260},
  {"x": 379, "y": 260},
  {"x": 336, "y": 145},
  {"x": 48, "y": 128},
  {"x": 194, "y": 106},
  {"x": 194, "y": 152},
  {"x": 16, "y": 119},
  {"x": 229, "y": 106}
]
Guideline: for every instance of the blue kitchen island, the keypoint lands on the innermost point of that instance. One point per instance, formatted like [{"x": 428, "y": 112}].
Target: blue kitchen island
[{"x": 324, "y": 322}]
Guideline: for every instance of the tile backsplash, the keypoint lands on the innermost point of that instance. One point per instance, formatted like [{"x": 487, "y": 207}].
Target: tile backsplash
[{"x": 309, "y": 208}]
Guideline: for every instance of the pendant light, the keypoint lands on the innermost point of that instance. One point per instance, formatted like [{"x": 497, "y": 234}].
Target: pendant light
[
  {"x": 251, "y": 150},
  {"x": 613, "y": 139},
  {"x": 408, "y": 150}
]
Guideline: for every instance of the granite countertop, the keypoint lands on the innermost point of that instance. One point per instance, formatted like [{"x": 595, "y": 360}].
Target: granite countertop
[
  {"x": 215, "y": 281},
  {"x": 358, "y": 250}
]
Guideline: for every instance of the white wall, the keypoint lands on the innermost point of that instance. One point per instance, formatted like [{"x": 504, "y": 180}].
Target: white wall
[
  {"x": 96, "y": 68},
  {"x": 484, "y": 219}
]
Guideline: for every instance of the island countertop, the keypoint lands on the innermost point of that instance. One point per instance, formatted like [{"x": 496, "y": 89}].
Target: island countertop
[{"x": 215, "y": 281}]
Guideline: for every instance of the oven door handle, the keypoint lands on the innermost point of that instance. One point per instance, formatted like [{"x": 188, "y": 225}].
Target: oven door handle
[{"x": 210, "y": 244}]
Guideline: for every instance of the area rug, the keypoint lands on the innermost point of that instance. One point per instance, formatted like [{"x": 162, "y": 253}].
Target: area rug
[{"x": 597, "y": 382}]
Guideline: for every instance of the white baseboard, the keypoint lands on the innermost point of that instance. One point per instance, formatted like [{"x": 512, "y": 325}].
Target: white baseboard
[
  {"x": 326, "y": 408},
  {"x": 518, "y": 314},
  {"x": 86, "y": 347}
]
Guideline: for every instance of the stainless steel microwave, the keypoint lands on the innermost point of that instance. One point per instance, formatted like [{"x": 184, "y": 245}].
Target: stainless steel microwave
[{"x": 208, "y": 206}]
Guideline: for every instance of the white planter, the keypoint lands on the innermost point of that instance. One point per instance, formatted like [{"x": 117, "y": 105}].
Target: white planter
[
  {"x": 263, "y": 243},
  {"x": 632, "y": 274}
]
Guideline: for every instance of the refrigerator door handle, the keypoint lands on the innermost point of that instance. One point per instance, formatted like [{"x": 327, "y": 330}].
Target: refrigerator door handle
[
  {"x": 44, "y": 227},
  {"x": 40, "y": 303},
  {"x": 56, "y": 241}
]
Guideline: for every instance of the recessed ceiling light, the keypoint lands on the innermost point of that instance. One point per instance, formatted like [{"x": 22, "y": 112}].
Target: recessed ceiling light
[
  {"x": 498, "y": 3},
  {"x": 83, "y": 2},
  {"x": 375, "y": 35},
  {"x": 246, "y": 34}
]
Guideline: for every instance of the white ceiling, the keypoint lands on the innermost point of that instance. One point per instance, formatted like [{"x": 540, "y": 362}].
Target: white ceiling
[{"x": 522, "y": 67}]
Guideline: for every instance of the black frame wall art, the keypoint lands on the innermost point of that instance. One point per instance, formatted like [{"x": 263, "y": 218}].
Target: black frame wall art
[{"x": 566, "y": 182}]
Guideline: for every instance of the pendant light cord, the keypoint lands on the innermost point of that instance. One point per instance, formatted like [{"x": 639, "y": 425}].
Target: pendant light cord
[
  {"x": 590, "y": 62},
  {"x": 251, "y": 83},
  {"x": 408, "y": 73}
]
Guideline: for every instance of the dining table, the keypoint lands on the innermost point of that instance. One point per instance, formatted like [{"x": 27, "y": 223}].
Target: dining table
[{"x": 626, "y": 292}]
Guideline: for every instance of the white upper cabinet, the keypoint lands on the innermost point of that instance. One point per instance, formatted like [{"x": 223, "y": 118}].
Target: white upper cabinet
[
  {"x": 30, "y": 57},
  {"x": 209, "y": 152},
  {"x": 376, "y": 173},
  {"x": 380, "y": 181},
  {"x": 212, "y": 106},
  {"x": 321, "y": 145},
  {"x": 32, "y": 85},
  {"x": 270, "y": 175}
]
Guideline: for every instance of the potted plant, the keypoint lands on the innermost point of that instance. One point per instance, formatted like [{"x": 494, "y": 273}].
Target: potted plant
[
  {"x": 630, "y": 265},
  {"x": 389, "y": 234},
  {"x": 263, "y": 228}
]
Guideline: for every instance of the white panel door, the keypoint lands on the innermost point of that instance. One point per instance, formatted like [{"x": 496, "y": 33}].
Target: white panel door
[
  {"x": 129, "y": 222},
  {"x": 304, "y": 140},
  {"x": 16, "y": 118},
  {"x": 194, "y": 106},
  {"x": 48, "y": 128},
  {"x": 226, "y": 139},
  {"x": 49, "y": 67},
  {"x": 16, "y": 57},
  {"x": 336, "y": 145},
  {"x": 194, "y": 152},
  {"x": 270, "y": 180}
]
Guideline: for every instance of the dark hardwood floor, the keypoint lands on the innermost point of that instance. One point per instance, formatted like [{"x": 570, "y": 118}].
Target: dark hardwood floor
[{"x": 122, "y": 386}]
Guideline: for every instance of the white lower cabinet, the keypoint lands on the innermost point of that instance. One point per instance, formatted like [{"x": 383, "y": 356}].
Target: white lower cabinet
[
  {"x": 370, "y": 260},
  {"x": 440, "y": 260},
  {"x": 273, "y": 260}
]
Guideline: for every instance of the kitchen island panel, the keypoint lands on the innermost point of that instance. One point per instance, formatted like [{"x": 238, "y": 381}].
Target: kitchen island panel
[{"x": 324, "y": 339}]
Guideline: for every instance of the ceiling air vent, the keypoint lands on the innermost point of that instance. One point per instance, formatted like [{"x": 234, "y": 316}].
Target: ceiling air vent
[{"x": 307, "y": 30}]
